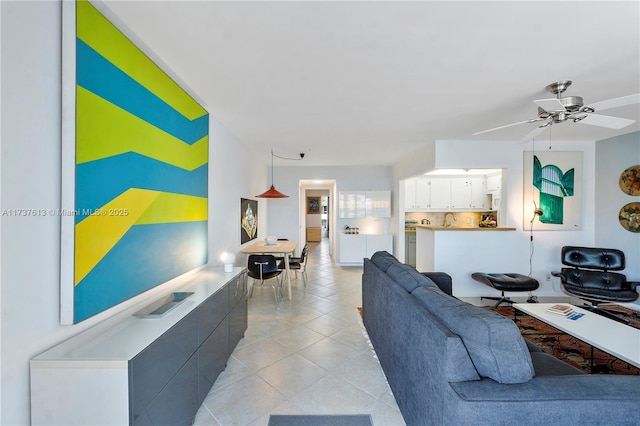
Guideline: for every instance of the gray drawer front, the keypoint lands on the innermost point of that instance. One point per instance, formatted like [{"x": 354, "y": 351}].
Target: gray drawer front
[
  {"x": 212, "y": 312},
  {"x": 154, "y": 367},
  {"x": 212, "y": 358},
  {"x": 177, "y": 403}
]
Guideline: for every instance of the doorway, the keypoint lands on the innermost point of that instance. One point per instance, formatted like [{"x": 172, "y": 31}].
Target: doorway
[{"x": 316, "y": 225}]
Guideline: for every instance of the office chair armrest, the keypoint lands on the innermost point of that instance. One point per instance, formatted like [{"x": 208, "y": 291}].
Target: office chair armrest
[{"x": 559, "y": 275}]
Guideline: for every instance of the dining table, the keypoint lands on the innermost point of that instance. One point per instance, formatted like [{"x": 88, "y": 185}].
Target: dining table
[{"x": 284, "y": 248}]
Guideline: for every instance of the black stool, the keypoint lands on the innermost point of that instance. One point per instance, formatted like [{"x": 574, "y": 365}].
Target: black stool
[{"x": 507, "y": 282}]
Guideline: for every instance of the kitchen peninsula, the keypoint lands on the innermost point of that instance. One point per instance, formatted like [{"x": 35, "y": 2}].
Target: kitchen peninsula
[{"x": 460, "y": 251}]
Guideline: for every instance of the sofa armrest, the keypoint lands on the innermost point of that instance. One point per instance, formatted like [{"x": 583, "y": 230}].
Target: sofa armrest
[{"x": 442, "y": 280}]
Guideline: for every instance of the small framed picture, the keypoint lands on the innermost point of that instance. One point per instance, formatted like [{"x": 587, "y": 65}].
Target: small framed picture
[{"x": 313, "y": 205}]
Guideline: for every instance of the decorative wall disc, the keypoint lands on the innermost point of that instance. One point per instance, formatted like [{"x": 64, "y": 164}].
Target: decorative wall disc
[
  {"x": 630, "y": 180},
  {"x": 629, "y": 217}
]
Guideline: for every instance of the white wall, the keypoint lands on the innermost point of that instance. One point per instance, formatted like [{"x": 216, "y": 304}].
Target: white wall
[
  {"x": 30, "y": 176},
  {"x": 613, "y": 156},
  {"x": 512, "y": 257}
]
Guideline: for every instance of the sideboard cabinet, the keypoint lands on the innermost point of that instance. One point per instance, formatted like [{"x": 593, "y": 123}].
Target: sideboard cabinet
[{"x": 144, "y": 371}]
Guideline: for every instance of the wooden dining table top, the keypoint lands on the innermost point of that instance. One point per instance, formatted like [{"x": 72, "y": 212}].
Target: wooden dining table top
[{"x": 279, "y": 247}]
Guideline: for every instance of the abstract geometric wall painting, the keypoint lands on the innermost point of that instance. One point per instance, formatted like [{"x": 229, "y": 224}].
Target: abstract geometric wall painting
[
  {"x": 135, "y": 167},
  {"x": 552, "y": 184},
  {"x": 248, "y": 220}
]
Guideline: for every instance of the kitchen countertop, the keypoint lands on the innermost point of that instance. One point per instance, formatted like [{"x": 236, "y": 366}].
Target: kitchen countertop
[{"x": 477, "y": 228}]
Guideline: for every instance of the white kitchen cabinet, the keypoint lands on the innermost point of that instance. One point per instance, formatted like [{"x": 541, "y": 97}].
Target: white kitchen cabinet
[
  {"x": 494, "y": 183},
  {"x": 440, "y": 194},
  {"x": 382, "y": 242},
  {"x": 377, "y": 203},
  {"x": 417, "y": 194},
  {"x": 423, "y": 193},
  {"x": 351, "y": 204},
  {"x": 360, "y": 204},
  {"x": 410, "y": 194},
  {"x": 468, "y": 193},
  {"x": 355, "y": 247},
  {"x": 479, "y": 198},
  {"x": 460, "y": 194}
]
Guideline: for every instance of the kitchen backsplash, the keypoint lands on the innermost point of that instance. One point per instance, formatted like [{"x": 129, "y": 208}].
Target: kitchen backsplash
[{"x": 462, "y": 219}]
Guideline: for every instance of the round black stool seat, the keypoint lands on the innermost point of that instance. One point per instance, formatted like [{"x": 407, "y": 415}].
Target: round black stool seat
[{"x": 506, "y": 282}]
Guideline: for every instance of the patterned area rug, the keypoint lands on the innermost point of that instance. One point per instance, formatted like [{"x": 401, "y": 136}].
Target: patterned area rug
[{"x": 568, "y": 348}]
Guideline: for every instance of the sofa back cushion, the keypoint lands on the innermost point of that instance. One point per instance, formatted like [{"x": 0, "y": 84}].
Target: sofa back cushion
[
  {"x": 382, "y": 259},
  {"x": 408, "y": 277},
  {"x": 493, "y": 341}
]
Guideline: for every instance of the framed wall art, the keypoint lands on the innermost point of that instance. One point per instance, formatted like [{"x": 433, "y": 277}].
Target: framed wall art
[
  {"x": 313, "y": 205},
  {"x": 135, "y": 164},
  {"x": 630, "y": 181},
  {"x": 553, "y": 187},
  {"x": 248, "y": 220}
]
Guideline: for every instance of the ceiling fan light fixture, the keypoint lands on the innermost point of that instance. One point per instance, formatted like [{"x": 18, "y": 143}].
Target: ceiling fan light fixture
[{"x": 571, "y": 108}]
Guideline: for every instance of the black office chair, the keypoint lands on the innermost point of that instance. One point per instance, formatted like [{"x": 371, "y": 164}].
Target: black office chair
[
  {"x": 589, "y": 278},
  {"x": 264, "y": 267}
]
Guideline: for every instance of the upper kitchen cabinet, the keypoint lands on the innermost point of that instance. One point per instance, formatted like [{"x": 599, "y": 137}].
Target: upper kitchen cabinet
[
  {"x": 417, "y": 193},
  {"x": 360, "y": 204},
  {"x": 462, "y": 192},
  {"x": 440, "y": 198},
  {"x": 468, "y": 193}
]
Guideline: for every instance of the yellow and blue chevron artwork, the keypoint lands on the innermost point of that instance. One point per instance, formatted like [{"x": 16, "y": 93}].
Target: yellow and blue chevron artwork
[{"x": 141, "y": 150}]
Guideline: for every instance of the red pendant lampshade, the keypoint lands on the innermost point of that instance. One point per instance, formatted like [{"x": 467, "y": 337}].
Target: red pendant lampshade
[{"x": 272, "y": 192}]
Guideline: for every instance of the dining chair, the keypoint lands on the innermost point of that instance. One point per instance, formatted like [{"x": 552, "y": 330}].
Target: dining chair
[
  {"x": 298, "y": 264},
  {"x": 264, "y": 267},
  {"x": 279, "y": 258}
]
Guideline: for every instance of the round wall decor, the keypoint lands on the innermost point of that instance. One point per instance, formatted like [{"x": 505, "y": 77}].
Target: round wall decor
[
  {"x": 630, "y": 180},
  {"x": 629, "y": 217}
]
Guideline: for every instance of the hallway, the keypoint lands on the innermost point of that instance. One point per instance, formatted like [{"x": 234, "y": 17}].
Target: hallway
[{"x": 311, "y": 356}]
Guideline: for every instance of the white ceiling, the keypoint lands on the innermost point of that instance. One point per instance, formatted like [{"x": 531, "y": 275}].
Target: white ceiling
[{"x": 355, "y": 83}]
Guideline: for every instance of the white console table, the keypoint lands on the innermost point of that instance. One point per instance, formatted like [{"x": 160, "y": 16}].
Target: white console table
[{"x": 152, "y": 371}]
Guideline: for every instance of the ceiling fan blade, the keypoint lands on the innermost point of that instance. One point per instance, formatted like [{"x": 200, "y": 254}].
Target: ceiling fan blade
[
  {"x": 616, "y": 102},
  {"x": 552, "y": 104},
  {"x": 606, "y": 121},
  {"x": 533, "y": 120},
  {"x": 535, "y": 132}
]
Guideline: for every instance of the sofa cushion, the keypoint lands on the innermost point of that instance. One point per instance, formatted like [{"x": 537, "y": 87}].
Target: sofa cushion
[
  {"x": 545, "y": 364},
  {"x": 383, "y": 260},
  {"x": 494, "y": 342},
  {"x": 408, "y": 277}
]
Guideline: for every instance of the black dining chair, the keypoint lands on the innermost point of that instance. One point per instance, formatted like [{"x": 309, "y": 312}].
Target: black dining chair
[
  {"x": 264, "y": 267},
  {"x": 279, "y": 258},
  {"x": 298, "y": 264}
]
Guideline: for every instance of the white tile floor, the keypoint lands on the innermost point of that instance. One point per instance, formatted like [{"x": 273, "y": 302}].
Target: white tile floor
[{"x": 311, "y": 356}]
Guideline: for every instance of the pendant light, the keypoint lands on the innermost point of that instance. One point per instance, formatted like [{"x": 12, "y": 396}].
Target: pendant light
[{"x": 272, "y": 192}]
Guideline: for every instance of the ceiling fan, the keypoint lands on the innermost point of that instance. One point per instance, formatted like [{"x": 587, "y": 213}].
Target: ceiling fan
[{"x": 572, "y": 108}]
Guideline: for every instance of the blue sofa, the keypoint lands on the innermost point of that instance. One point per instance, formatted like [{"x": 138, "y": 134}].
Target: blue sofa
[{"x": 452, "y": 363}]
